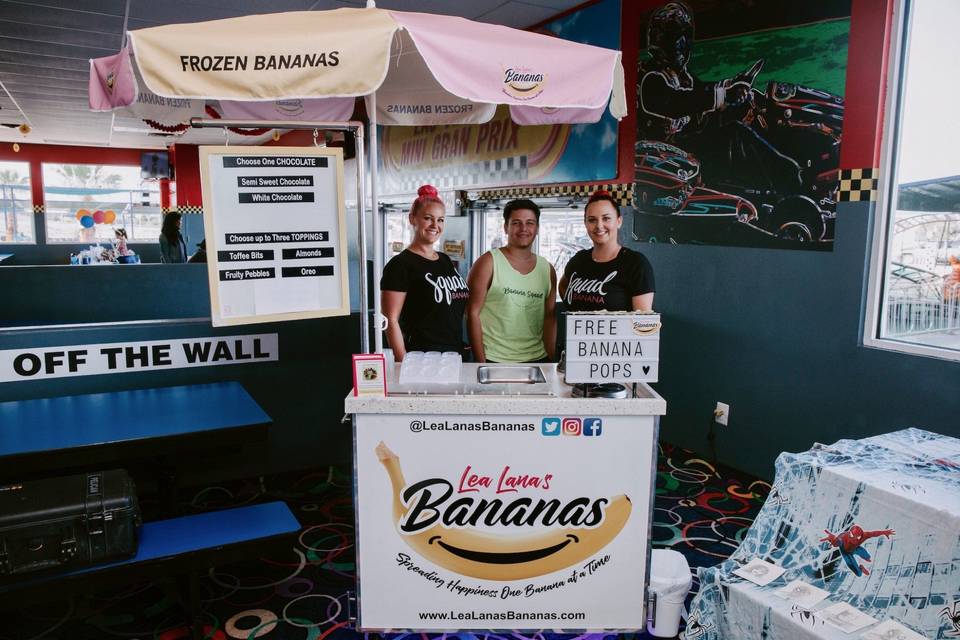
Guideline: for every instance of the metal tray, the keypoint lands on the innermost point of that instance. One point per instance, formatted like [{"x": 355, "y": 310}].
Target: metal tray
[{"x": 510, "y": 374}]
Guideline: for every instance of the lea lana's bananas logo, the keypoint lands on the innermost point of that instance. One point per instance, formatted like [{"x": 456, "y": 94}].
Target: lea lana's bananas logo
[
  {"x": 523, "y": 84},
  {"x": 645, "y": 329},
  {"x": 443, "y": 532}
]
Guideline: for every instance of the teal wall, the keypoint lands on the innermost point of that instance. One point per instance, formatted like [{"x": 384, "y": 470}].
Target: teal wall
[
  {"x": 777, "y": 336},
  {"x": 303, "y": 391}
]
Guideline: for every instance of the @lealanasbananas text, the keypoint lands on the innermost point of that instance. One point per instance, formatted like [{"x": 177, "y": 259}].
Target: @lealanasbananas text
[{"x": 586, "y": 527}]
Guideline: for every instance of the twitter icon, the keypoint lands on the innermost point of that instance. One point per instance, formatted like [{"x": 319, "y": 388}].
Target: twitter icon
[{"x": 550, "y": 427}]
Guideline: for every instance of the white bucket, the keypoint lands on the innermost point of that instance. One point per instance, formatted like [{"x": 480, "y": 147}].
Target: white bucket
[{"x": 670, "y": 579}]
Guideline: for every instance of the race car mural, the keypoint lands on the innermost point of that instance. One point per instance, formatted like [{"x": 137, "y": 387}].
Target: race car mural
[{"x": 724, "y": 162}]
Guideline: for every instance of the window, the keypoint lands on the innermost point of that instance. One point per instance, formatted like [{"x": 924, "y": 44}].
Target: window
[
  {"x": 561, "y": 234},
  {"x": 914, "y": 303},
  {"x": 398, "y": 234},
  {"x": 16, "y": 205},
  {"x": 73, "y": 191}
]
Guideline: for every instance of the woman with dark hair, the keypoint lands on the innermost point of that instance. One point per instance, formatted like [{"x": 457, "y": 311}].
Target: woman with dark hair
[
  {"x": 422, "y": 294},
  {"x": 173, "y": 248},
  {"x": 608, "y": 276}
]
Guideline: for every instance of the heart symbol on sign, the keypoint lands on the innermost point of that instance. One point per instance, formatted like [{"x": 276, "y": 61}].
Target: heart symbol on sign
[{"x": 646, "y": 369}]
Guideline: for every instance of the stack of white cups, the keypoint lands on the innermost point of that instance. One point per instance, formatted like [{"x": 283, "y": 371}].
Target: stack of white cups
[{"x": 432, "y": 366}]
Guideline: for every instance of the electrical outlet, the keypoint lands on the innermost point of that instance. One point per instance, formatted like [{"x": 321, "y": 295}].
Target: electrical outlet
[{"x": 721, "y": 414}]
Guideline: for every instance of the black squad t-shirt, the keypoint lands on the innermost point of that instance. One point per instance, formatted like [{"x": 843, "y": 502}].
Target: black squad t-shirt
[
  {"x": 609, "y": 286},
  {"x": 432, "y": 314}
]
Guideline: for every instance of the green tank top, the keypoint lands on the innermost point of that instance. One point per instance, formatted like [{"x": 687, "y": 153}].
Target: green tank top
[{"x": 512, "y": 314}]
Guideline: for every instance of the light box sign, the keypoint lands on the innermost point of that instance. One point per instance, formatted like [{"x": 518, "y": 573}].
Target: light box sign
[
  {"x": 612, "y": 347},
  {"x": 276, "y": 233}
]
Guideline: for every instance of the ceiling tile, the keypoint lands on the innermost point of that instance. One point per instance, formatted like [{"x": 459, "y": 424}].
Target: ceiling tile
[
  {"x": 518, "y": 14},
  {"x": 103, "y": 7},
  {"x": 45, "y": 35},
  {"x": 25, "y": 14}
]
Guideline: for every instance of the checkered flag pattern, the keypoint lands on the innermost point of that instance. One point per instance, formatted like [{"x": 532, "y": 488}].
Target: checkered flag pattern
[
  {"x": 858, "y": 185},
  {"x": 38, "y": 209},
  {"x": 185, "y": 210},
  {"x": 622, "y": 193},
  {"x": 502, "y": 170}
]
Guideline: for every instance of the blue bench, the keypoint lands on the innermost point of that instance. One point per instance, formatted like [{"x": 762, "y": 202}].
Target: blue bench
[
  {"x": 53, "y": 434},
  {"x": 180, "y": 546}
]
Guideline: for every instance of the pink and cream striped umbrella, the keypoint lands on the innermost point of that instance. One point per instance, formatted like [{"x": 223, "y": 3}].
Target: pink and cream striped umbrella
[{"x": 424, "y": 69}]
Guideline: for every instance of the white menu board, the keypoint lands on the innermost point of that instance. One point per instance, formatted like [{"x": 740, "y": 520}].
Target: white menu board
[{"x": 276, "y": 234}]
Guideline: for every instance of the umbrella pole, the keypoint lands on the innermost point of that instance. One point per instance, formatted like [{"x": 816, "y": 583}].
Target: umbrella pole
[
  {"x": 378, "y": 252},
  {"x": 356, "y": 128},
  {"x": 362, "y": 242}
]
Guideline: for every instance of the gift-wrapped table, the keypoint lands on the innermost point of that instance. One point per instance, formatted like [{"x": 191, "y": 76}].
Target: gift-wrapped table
[{"x": 874, "y": 522}]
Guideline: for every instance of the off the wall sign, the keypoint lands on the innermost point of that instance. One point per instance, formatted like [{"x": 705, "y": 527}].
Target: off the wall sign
[
  {"x": 128, "y": 357},
  {"x": 612, "y": 347}
]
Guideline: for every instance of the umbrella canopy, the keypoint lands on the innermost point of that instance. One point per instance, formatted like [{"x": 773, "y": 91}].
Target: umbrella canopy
[
  {"x": 423, "y": 68},
  {"x": 413, "y": 69}
]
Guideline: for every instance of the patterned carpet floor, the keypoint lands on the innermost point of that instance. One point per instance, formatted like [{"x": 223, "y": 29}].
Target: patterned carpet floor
[{"x": 701, "y": 510}]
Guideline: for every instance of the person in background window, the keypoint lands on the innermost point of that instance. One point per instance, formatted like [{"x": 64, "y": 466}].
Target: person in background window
[
  {"x": 422, "y": 295},
  {"x": 951, "y": 281},
  {"x": 120, "y": 241},
  {"x": 173, "y": 248},
  {"x": 510, "y": 316},
  {"x": 608, "y": 276}
]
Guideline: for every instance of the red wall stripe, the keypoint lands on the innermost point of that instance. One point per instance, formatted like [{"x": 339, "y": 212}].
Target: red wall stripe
[
  {"x": 867, "y": 59},
  {"x": 186, "y": 160}
]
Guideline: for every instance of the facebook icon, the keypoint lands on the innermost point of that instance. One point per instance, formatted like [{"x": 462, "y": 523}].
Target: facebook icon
[{"x": 592, "y": 426}]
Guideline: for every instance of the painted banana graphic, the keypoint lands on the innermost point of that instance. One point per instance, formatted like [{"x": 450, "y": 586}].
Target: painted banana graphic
[{"x": 490, "y": 556}]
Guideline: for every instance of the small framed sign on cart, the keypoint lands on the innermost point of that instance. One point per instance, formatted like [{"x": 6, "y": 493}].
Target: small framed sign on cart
[{"x": 369, "y": 374}]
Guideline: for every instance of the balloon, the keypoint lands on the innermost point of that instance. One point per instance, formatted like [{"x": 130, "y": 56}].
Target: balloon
[
  {"x": 109, "y": 216},
  {"x": 81, "y": 213},
  {"x": 87, "y": 222},
  {"x": 98, "y": 216}
]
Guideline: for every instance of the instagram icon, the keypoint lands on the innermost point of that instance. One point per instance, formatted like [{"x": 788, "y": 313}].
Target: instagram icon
[{"x": 572, "y": 426}]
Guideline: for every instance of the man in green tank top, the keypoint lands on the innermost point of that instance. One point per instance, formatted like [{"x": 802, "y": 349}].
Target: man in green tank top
[{"x": 510, "y": 314}]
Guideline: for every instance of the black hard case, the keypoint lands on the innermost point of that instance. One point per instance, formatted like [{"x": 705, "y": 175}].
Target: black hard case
[{"x": 67, "y": 522}]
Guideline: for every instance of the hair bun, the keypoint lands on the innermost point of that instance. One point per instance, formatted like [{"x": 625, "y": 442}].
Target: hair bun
[
  {"x": 428, "y": 190},
  {"x": 601, "y": 193}
]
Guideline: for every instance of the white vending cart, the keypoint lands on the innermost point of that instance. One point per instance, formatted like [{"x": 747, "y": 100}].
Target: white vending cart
[{"x": 503, "y": 501}]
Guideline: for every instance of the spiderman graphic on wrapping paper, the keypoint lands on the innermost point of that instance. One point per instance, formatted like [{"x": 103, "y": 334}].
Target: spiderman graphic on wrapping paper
[{"x": 849, "y": 544}]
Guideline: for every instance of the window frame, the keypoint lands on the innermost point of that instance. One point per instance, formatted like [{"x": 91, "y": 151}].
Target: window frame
[
  {"x": 875, "y": 308},
  {"x": 46, "y": 211},
  {"x": 12, "y": 244}
]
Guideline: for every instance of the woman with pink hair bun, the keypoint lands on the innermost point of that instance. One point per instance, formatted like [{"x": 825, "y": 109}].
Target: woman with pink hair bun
[{"x": 422, "y": 294}]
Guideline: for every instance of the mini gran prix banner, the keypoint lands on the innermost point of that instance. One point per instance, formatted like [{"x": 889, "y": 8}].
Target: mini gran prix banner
[
  {"x": 503, "y": 522},
  {"x": 276, "y": 233}
]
